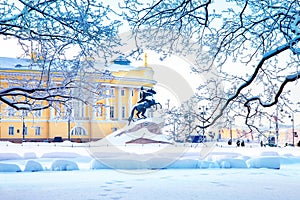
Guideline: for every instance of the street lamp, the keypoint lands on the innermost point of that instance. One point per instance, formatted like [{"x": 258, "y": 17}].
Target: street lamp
[
  {"x": 168, "y": 104},
  {"x": 203, "y": 110},
  {"x": 175, "y": 122},
  {"x": 291, "y": 116},
  {"x": 230, "y": 130},
  {"x": 293, "y": 127},
  {"x": 276, "y": 125},
  {"x": 69, "y": 110},
  {"x": 189, "y": 117},
  {"x": 23, "y": 127}
]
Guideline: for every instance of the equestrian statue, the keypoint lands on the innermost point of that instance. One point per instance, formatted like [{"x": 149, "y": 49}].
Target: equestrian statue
[{"x": 146, "y": 101}]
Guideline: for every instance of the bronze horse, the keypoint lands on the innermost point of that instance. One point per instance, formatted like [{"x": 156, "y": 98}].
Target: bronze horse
[{"x": 141, "y": 109}]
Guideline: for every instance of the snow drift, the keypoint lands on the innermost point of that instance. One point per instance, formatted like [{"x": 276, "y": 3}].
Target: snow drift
[{"x": 142, "y": 145}]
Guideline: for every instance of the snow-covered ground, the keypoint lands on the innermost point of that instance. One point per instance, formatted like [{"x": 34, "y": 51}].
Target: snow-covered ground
[
  {"x": 153, "y": 171},
  {"x": 139, "y": 162},
  {"x": 212, "y": 184}
]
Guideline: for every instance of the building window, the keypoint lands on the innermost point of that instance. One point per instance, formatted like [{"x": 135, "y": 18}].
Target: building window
[
  {"x": 112, "y": 112},
  {"x": 99, "y": 111},
  {"x": 37, "y": 130},
  {"x": 79, "y": 109},
  {"x": 123, "y": 111},
  {"x": 11, "y": 112},
  {"x": 111, "y": 92},
  {"x": 25, "y": 113},
  {"x": 78, "y": 131},
  {"x": 57, "y": 110},
  {"x": 122, "y": 92},
  {"x": 11, "y": 130},
  {"x": 38, "y": 113}
]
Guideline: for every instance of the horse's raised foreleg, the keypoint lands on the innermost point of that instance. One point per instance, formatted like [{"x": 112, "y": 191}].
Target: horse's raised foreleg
[
  {"x": 155, "y": 105},
  {"x": 158, "y": 104}
]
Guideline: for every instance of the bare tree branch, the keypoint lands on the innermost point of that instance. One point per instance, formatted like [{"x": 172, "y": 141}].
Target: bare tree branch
[
  {"x": 60, "y": 37},
  {"x": 260, "y": 38}
]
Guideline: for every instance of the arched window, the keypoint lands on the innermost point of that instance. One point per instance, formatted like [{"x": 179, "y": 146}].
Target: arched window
[{"x": 78, "y": 131}]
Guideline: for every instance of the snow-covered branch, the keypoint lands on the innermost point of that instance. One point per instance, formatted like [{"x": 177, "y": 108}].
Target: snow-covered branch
[
  {"x": 61, "y": 39},
  {"x": 251, "y": 47}
]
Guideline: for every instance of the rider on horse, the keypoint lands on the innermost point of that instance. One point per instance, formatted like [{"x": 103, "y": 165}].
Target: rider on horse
[
  {"x": 146, "y": 101},
  {"x": 146, "y": 94}
]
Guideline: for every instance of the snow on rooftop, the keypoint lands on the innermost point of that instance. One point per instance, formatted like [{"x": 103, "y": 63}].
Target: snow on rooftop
[
  {"x": 120, "y": 64},
  {"x": 118, "y": 67}
]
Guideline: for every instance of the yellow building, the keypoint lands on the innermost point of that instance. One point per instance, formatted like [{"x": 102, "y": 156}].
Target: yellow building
[
  {"x": 87, "y": 122},
  {"x": 285, "y": 135}
]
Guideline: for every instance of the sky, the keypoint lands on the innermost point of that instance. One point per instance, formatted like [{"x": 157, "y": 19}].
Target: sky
[
  {"x": 171, "y": 74},
  {"x": 9, "y": 48}
]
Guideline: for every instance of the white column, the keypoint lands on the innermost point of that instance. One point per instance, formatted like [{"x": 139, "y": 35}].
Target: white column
[
  {"x": 119, "y": 104},
  {"x": 130, "y": 101},
  {"x": 94, "y": 110},
  {"x": 107, "y": 110},
  {"x": 51, "y": 113}
]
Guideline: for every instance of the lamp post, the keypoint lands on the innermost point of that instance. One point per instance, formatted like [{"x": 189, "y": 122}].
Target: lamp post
[
  {"x": 293, "y": 127},
  {"x": 69, "y": 123},
  {"x": 69, "y": 129},
  {"x": 230, "y": 130},
  {"x": 189, "y": 117},
  {"x": 23, "y": 127},
  {"x": 276, "y": 125},
  {"x": 175, "y": 120},
  {"x": 291, "y": 116},
  {"x": 69, "y": 110},
  {"x": 270, "y": 127},
  {"x": 203, "y": 110},
  {"x": 168, "y": 104}
]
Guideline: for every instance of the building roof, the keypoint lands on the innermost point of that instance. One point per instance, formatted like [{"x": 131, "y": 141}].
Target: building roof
[
  {"x": 14, "y": 63},
  {"x": 120, "y": 68},
  {"x": 119, "y": 64},
  {"x": 26, "y": 64}
]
